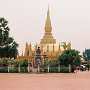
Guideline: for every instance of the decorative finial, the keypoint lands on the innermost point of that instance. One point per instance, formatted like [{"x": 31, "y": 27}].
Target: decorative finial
[{"x": 48, "y": 27}]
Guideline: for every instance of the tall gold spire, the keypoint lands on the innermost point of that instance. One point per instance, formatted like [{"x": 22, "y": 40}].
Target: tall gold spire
[
  {"x": 48, "y": 37},
  {"x": 48, "y": 27}
]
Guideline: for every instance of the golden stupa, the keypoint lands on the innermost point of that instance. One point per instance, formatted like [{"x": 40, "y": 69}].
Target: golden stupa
[
  {"x": 48, "y": 45},
  {"x": 48, "y": 37}
]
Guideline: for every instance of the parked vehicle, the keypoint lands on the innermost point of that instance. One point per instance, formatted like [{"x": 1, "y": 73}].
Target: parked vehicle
[{"x": 82, "y": 67}]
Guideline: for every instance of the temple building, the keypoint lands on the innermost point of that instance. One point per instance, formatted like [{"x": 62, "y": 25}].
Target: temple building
[{"x": 48, "y": 44}]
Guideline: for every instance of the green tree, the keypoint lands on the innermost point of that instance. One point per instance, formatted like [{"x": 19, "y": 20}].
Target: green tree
[
  {"x": 23, "y": 65},
  {"x": 70, "y": 57},
  {"x": 8, "y": 47},
  {"x": 86, "y": 54}
]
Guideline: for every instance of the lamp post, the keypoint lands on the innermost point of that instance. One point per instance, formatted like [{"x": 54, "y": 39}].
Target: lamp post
[
  {"x": 69, "y": 67},
  {"x": 28, "y": 66},
  {"x": 58, "y": 67},
  {"x": 8, "y": 66},
  {"x": 48, "y": 68},
  {"x": 19, "y": 67}
]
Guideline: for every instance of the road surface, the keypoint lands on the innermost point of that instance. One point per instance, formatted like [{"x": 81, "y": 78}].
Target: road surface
[{"x": 48, "y": 81}]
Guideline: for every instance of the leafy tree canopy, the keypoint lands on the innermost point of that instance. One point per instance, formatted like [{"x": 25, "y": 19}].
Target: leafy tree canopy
[
  {"x": 70, "y": 57},
  {"x": 86, "y": 54},
  {"x": 8, "y": 47}
]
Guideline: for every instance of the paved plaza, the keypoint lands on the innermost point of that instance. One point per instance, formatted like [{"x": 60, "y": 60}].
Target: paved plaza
[{"x": 48, "y": 81}]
